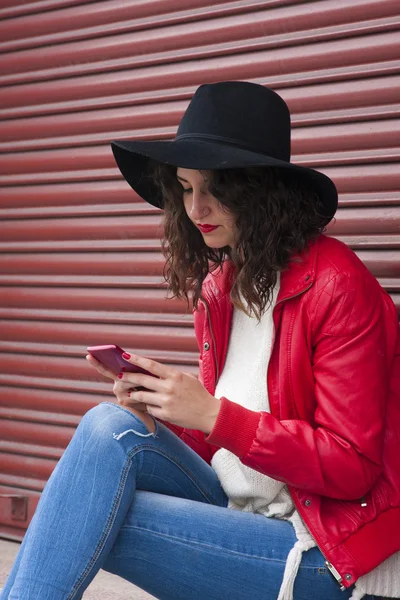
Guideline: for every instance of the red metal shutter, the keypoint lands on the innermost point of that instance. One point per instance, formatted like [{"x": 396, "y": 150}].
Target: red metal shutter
[{"x": 81, "y": 260}]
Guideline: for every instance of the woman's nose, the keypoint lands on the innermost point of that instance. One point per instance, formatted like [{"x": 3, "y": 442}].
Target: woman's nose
[{"x": 199, "y": 208}]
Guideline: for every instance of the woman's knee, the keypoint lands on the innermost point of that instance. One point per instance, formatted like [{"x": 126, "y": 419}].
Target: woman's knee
[{"x": 110, "y": 421}]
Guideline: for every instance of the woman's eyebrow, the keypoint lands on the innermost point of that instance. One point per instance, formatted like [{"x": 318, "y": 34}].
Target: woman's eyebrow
[{"x": 186, "y": 181}]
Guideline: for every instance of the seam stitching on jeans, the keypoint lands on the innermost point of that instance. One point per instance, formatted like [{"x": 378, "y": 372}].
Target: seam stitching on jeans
[
  {"x": 203, "y": 544},
  {"x": 106, "y": 531},
  {"x": 210, "y": 499}
]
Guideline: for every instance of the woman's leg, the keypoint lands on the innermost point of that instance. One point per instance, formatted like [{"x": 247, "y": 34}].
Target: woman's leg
[
  {"x": 179, "y": 549},
  {"x": 89, "y": 494}
]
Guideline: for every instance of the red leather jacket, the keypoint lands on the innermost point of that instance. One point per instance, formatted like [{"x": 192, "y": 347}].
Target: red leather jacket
[{"x": 333, "y": 433}]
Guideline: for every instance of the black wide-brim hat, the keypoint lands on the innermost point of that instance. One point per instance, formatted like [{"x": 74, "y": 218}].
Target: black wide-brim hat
[{"x": 227, "y": 125}]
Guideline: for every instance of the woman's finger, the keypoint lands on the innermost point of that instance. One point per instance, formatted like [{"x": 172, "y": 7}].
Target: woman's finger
[
  {"x": 154, "y": 367},
  {"x": 100, "y": 367},
  {"x": 140, "y": 380}
]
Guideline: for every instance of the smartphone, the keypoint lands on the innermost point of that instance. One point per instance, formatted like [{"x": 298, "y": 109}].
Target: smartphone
[{"x": 111, "y": 357}]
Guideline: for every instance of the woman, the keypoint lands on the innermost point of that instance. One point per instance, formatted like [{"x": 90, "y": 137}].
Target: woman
[{"x": 296, "y": 408}]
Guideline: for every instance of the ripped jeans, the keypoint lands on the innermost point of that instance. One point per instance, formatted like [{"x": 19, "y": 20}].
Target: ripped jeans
[{"x": 146, "y": 507}]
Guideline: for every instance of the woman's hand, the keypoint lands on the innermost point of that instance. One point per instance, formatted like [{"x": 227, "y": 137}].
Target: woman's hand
[
  {"x": 122, "y": 390},
  {"x": 171, "y": 395}
]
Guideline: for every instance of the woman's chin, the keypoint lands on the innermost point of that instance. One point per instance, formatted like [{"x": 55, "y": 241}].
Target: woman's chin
[
  {"x": 216, "y": 245},
  {"x": 217, "y": 242}
]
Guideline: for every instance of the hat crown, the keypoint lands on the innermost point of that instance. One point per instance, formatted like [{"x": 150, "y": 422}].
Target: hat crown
[{"x": 244, "y": 114}]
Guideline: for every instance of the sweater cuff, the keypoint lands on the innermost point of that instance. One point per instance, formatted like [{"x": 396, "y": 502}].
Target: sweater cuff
[{"x": 235, "y": 428}]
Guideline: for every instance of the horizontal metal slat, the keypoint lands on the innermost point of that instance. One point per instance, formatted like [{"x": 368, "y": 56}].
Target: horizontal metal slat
[
  {"x": 10, "y": 10},
  {"x": 93, "y": 334},
  {"x": 137, "y": 118},
  {"x": 53, "y": 436},
  {"x": 325, "y": 78},
  {"x": 23, "y": 482},
  {"x": 57, "y": 384},
  {"x": 58, "y": 177},
  {"x": 303, "y": 100},
  {"x": 85, "y": 194},
  {"x": 65, "y": 200},
  {"x": 132, "y": 246},
  {"x": 367, "y": 113},
  {"x": 379, "y": 154},
  {"x": 100, "y": 210},
  {"x": 59, "y": 375},
  {"x": 371, "y": 241},
  {"x": 86, "y": 280},
  {"x": 11, "y": 413},
  {"x": 66, "y": 369},
  {"x": 26, "y": 349},
  {"x": 381, "y": 263},
  {"x": 118, "y": 228},
  {"x": 351, "y": 157},
  {"x": 348, "y": 179},
  {"x": 311, "y": 62},
  {"x": 114, "y": 264},
  {"x": 34, "y": 450},
  {"x": 100, "y": 246},
  {"x": 97, "y": 299},
  {"x": 49, "y": 406},
  {"x": 93, "y": 316},
  {"x": 325, "y": 144},
  {"x": 86, "y": 21},
  {"x": 365, "y": 178},
  {"x": 24, "y": 470},
  {"x": 21, "y": 248},
  {"x": 367, "y": 221},
  {"x": 92, "y": 139},
  {"x": 370, "y": 199},
  {"x": 188, "y": 41},
  {"x": 101, "y": 126},
  {"x": 78, "y": 210}
]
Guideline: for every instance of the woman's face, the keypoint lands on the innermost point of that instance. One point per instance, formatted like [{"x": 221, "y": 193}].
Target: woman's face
[{"x": 215, "y": 222}]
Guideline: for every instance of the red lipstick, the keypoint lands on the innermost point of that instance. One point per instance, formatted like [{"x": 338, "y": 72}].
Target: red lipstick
[{"x": 207, "y": 228}]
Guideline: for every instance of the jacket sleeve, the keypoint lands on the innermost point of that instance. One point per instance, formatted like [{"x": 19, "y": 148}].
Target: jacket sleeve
[{"x": 339, "y": 455}]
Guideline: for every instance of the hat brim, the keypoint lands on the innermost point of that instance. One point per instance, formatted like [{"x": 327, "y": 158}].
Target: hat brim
[{"x": 133, "y": 160}]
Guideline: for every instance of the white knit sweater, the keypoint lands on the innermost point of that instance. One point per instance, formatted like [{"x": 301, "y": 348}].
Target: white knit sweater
[{"x": 243, "y": 380}]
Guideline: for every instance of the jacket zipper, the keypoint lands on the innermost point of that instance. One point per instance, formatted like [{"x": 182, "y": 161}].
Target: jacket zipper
[
  {"x": 280, "y": 302},
  {"x": 334, "y": 572},
  {"x": 212, "y": 337},
  {"x": 328, "y": 564}
]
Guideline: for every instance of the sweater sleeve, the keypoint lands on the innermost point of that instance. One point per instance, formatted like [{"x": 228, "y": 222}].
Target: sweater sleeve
[{"x": 340, "y": 454}]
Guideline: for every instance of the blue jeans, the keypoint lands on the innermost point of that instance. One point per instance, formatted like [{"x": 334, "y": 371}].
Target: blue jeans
[{"x": 146, "y": 507}]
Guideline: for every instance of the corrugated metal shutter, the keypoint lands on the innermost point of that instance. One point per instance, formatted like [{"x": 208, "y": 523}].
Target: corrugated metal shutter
[{"x": 81, "y": 260}]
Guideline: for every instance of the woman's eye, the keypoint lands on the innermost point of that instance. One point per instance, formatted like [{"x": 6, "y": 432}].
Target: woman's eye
[{"x": 187, "y": 190}]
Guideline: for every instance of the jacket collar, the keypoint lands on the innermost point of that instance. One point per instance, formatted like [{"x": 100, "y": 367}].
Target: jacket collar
[{"x": 297, "y": 278}]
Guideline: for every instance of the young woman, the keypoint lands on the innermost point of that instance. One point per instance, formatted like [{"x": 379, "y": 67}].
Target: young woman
[{"x": 275, "y": 474}]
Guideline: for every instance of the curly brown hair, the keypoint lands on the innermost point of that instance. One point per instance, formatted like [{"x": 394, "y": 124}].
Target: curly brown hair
[{"x": 276, "y": 217}]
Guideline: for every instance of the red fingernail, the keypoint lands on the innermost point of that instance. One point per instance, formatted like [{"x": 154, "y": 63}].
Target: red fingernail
[
  {"x": 126, "y": 355},
  {"x": 120, "y": 375}
]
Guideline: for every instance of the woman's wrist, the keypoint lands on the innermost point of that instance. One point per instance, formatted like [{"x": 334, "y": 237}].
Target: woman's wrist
[{"x": 211, "y": 415}]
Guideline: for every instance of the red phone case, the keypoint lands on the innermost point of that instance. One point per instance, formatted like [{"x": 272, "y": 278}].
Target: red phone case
[{"x": 111, "y": 356}]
